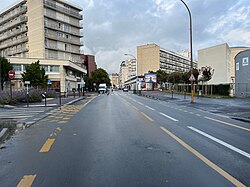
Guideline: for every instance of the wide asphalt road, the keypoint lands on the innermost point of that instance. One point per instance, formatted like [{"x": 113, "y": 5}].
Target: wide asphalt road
[{"x": 122, "y": 139}]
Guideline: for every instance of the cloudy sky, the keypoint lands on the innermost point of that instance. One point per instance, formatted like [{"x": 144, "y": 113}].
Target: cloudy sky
[{"x": 115, "y": 27}]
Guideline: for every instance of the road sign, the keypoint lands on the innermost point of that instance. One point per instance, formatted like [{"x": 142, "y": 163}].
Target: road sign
[
  {"x": 11, "y": 74},
  {"x": 49, "y": 81},
  {"x": 192, "y": 78},
  {"x": 26, "y": 82}
]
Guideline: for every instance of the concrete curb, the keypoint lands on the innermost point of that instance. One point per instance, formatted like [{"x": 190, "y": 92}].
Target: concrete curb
[
  {"x": 4, "y": 134},
  {"x": 30, "y": 123}
]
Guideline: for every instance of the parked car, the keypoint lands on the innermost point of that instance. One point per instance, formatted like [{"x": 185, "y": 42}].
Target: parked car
[{"x": 125, "y": 90}]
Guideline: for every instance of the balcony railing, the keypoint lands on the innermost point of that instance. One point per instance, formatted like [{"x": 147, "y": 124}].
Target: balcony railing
[
  {"x": 68, "y": 40},
  {"x": 20, "y": 20},
  {"x": 63, "y": 10},
  {"x": 15, "y": 42},
  {"x": 13, "y": 33},
  {"x": 53, "y": 47},
  {"x": 18, "y": 11},
  {"x": 73, "y": 23},
  {"x": 16, "y": 51},
  {"x": 55, "y": 27}
]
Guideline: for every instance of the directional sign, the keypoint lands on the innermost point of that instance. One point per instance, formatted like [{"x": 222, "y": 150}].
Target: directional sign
[
  {"x": 49, "y": 81},
  {"x": 11, "y": 74},
  {"x": 26, "y": 82},
  {"x": 192, "y": 78}
]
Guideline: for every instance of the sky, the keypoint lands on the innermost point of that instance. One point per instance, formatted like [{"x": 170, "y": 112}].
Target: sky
[{"x": 115, "y": 27}]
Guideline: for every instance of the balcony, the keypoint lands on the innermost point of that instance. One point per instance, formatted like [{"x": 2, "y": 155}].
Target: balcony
[
  {"x": 64, "y": 50},
  {"x": 18, "y": 11},
  {"x": 16, "y": 51},
  {"x": 70, "y": 22},
  {"x": 55, "y": 27},
  {"x": 67, "y": 40},
  {"x": 20, "y": 20},
  {"x": 63, "y": 10},
  {"x": 14, "y": 42},
  {"x": 13, "y": 33}
]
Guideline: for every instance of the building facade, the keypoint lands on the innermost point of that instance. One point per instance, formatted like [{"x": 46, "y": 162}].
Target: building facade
[
  {"x": 221, "y": 59},
  {"x": 114, "y": 80},
  {"x": 89, "y": 62},
  {"x": 43, "y": 29},
  {"x": 152, "y": 57},
  {"x": 242, "y": 74},
  {"x": 123, "y": 73}
]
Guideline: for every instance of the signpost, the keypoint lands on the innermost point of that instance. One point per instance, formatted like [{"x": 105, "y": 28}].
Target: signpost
[
  {"x": 27, "y": 83},
  {"x": 11, "y": 76}
]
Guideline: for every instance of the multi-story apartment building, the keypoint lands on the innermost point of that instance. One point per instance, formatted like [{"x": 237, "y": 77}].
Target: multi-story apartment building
[
  {"x": 221, "y": 59},
  {"x": 123, "y": 73},
  {"x": 45, "y": 30},
  {"x": 114, "y": 77},
  {"x": 152, "y": 57},
  {"x": 131, "y": 68}
]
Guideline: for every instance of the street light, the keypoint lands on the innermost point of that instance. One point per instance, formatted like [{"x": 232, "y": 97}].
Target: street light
[{"x": 191, "y": 50}]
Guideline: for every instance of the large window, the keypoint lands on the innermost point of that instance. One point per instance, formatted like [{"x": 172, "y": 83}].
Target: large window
[
  {"x": 54, "y": 69},
  {"x": 17, "y": 67}
]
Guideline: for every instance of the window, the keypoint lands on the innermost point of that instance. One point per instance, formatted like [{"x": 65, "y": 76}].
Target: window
[
  {"x": 237, "y": 66},
  {"x": 66, "y": 27},
  {"x": 59, "y": 25},
  {"x": 54, "y": 69},
  {"x": 46, "y": 68},
  {"x": 17, "y": 67},
  {"x": 245, "y": 61}
]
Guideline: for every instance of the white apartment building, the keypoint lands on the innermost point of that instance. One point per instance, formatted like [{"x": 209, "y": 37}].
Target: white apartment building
[{"x": 45, "y": 30}]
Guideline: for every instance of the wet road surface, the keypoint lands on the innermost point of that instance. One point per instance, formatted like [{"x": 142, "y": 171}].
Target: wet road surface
[{"x": 122, "y": 139}]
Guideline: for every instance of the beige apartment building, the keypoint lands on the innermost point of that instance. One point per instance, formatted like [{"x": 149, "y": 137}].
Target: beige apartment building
[
  {"x": 221, "y": 59},
  {"x": 45, "y": 30},
  {"x": 114, "y": 79},
  {"x": 152, "y": 57},
  {"x": 123, "y": 73}
]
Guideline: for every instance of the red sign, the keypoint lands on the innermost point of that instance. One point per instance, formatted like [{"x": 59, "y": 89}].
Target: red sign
[
  {"x": 11, "y": 74},
  {"x": 192, "y": 78}
]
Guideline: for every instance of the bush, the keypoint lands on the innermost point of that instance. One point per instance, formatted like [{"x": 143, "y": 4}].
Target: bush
[
  {"x": 20, "y": 96},
  {"x": 221, "y": 89}
]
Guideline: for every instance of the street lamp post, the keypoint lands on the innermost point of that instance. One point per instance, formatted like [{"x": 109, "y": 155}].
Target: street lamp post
[{"x": 191, "y": 49}]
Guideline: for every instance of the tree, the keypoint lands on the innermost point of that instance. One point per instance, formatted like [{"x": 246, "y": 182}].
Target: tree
[
  {"x": 36, "y": 75},
  {"x": 100, "y": 76},
  {"x": 175, "y": 77},
  {"x": 5, "y": 67}
]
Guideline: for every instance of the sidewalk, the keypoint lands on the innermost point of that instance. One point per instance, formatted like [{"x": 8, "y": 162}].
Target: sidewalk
[
  {"x": 52, "y": 105},
  {"x": 236, "y": 108}
]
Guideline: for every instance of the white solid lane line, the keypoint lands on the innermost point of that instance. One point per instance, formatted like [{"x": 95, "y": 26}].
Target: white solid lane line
[
  {"x": 149, "y": 107},
  {"x": 165, "y": 115},
  {"x": 221, "y": 142}
]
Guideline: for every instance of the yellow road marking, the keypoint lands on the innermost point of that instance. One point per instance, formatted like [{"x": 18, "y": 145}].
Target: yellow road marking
[
  {"x": 226, "y": 123},
  {"x": 62, "y": 122},
  {"x": 58, "y": 128},
  {"x": 66, "y": 118},
  {"x": 204, "y": 159},
  {"x": 26, "y": 181},
  {"x": 134, "y": 107},
  {"x": 146, "y": 116},
  {"x": 47, "y": 145}
]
